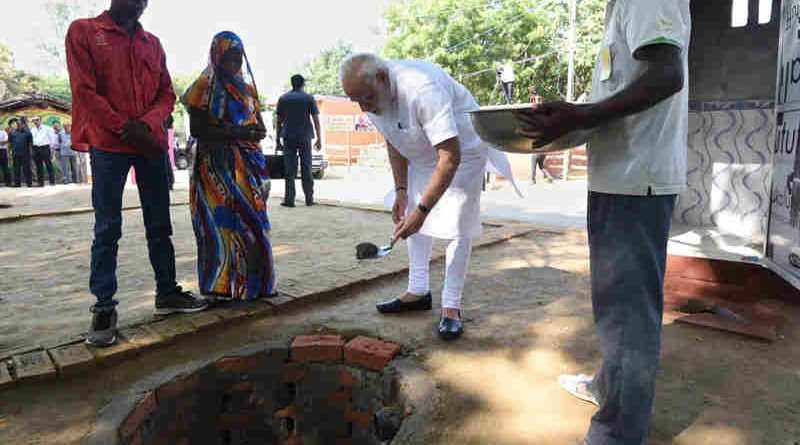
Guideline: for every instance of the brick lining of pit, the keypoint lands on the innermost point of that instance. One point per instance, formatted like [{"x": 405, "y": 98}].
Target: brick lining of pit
[{"x": 322, "y": 389}]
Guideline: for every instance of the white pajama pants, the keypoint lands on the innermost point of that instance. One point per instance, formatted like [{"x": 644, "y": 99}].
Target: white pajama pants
[{"x": 459, "y": 251}]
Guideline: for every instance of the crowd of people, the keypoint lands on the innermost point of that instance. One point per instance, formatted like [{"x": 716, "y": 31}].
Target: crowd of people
[
  {"x": 39, "y": 144},
  {"x": 122, "y": 95}
]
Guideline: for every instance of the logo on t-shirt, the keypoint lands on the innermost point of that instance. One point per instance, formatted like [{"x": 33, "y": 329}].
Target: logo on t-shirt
[
  {"x": 665, "y": 25},
  {"x": 100, "y": 39}
]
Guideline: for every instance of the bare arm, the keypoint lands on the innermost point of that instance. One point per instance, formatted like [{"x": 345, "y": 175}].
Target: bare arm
[
  {"x": 317, "y": 128},
  {"x": 399, "y": 167},
  {"x": 449, "y": 160},
  {"x": 662, "y": 78}
]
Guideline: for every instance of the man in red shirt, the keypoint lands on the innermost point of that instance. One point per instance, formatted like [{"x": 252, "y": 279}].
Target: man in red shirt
[{"x": 122, "y": 93}]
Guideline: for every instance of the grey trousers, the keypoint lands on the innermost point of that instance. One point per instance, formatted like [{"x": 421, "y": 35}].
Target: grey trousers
[
  {"x": 69, "y": 169},
  {"x": 628, "y": 238}
]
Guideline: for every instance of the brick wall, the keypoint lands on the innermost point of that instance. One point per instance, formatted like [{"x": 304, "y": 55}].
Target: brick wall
[{"x": 322, "y": 389}]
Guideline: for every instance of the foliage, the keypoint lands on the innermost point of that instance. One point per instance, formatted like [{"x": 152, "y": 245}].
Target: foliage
[
  {"x": 56, "y": 86},
  {"x": 322, "y": 72},
  {"x": 62, "y": 13},
  {"x": 471, "y": 38},
  {"x": 13, "y": 81}
]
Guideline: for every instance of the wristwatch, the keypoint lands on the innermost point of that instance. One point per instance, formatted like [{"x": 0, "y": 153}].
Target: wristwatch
[
  {"x": 397, "y": 189},
  {"x": 423, "y": 208}
]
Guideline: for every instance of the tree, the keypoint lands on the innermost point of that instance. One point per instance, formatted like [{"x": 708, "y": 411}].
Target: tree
[
  {"x": 13, "y": 81},
  {"x": 62, "y": 13},
  {"x": 471, "y": 38},
  {"x": 56, "y": 86},
  {"x": 322, "y": 72}
]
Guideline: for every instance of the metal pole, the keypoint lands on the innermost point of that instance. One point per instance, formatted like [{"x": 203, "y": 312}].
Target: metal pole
[{"x": 573, "y": 24}]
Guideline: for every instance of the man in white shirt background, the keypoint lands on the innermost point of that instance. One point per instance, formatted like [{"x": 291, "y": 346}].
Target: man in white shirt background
[
  {"x": 438, "y": 163},
  {"x": 638, "y": 109},
  {"x": 43, "y": 139},
  {"x": 508, "y": 80},
  {"x": 5, "y": 176}
]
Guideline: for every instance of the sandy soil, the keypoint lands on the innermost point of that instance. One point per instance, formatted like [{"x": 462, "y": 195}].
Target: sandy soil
[
  {"x": 44, "y": 265},
  {"x": 529, "y": 319}
]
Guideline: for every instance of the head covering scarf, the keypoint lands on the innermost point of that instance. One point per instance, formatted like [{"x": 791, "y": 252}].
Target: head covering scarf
[{"x": 227, "y": 99}]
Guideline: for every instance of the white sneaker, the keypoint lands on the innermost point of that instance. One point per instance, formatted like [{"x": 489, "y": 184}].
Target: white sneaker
[{"x": 579, "y": 386}]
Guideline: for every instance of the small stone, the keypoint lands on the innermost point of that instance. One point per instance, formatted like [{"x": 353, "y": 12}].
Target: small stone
[{"x": 33, "y": 366}]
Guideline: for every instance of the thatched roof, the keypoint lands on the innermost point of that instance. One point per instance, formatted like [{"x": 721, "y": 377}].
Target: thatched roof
[{"x": 34, "y": 100}]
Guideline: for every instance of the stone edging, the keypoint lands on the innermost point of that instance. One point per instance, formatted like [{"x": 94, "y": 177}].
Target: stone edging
[
  {"x": 70, "y": 212},
  {"x": 47, "y": 363},
  {"x": 123, "y": 420}
]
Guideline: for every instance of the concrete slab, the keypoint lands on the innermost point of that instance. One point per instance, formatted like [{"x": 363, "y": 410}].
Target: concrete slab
[
  {"x": 33, "y": 366},
  {"x": 72, "y": 359}
]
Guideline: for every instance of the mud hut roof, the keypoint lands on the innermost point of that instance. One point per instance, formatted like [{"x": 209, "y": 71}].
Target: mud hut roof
[{"x": 34, "y": 100}]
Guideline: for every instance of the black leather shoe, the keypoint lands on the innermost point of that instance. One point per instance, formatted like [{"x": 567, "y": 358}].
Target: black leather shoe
[
  {"x": 287, "y": 204},
  {"x": 450, "y": 329},
  {"x": 397, "y": 305}
]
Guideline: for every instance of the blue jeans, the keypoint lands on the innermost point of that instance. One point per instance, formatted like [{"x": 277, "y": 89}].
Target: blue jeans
[
  {"x": 291, "y": 150},
  {"x": 110, "y": 172},
  {"x": 628, "y": 252}
]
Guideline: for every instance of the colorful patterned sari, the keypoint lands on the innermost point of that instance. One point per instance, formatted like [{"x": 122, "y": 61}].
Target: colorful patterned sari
[{"x": 230, "y": 187}]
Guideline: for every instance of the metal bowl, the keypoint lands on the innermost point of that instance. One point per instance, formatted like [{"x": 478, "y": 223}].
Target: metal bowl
[{"x": 498, "y": 126}]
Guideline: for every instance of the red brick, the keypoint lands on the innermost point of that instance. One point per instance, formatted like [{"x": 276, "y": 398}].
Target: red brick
[
  {"x": 294, "y": 440},
  {"x": 318, "y": 348},
  {"x": 288, "y": 412},
  {"x": 363, "y": 419},
  {"x": 340, "y": 398},
  {"x": 143, "y": 409},
  {"x": 137, "y": 438},
  {"x": 244, "y": 386},
  {"x": 240, "y": 421},
  {"x": 347, "y": 380},
  {"x": 295, "y": 373},
  {"x": 370, "y": 353},
  {"x": 183, "y": 385},
  {"x": 239, "y": 364}
]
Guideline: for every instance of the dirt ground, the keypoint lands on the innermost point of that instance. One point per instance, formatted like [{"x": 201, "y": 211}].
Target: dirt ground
[
  {"x": 529, "y": 319},
  {"x": 44, "y": 265}
]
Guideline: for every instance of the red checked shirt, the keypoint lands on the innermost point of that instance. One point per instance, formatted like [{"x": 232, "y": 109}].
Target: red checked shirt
[{"x": 115, "y": 79}]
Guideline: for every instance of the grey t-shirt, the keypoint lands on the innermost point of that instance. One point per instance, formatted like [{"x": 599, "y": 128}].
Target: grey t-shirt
[
  {"x": 295, "y": 108},
  {"x": 644, "y": 153}
]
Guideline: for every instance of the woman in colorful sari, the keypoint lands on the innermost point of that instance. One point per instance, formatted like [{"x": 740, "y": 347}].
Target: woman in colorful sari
[{"x": 230, "y": 181}]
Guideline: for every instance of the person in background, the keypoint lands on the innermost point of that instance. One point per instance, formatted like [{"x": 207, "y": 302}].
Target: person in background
[
  {"x": 230, "y": 185},
  {"x": 55, "y": 146},
  {"x": 44, "y": 140},
  {"x": 21, "y": 142},
  {"x": 68, "y": 158},
  {"x": 169, "y": 124},
  {"x": 508, "y": 80},
  {"x": 121, "y": 95},
  {"x": 296, "y": 110},
  {"x": 5, "y": 175}
]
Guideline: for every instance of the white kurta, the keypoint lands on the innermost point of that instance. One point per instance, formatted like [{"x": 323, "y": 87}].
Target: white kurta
[{"x": 429, "y": 107}]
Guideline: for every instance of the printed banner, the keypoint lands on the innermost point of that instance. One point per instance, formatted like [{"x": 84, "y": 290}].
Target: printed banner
[{"x": 783, "y": 246}]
